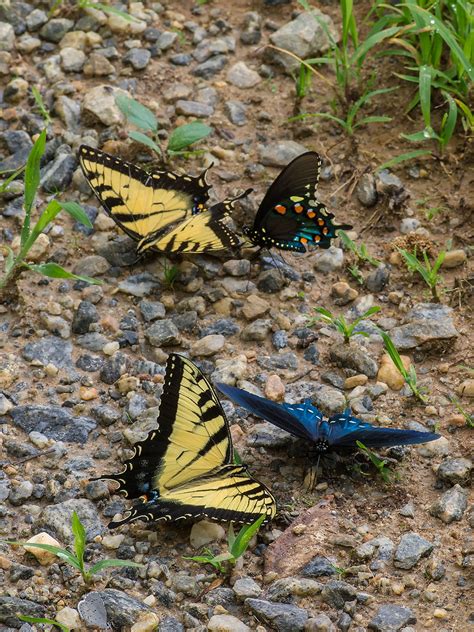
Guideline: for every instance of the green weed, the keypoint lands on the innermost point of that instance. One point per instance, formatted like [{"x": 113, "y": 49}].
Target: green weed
[
  {"x": 361, "y": 252},
  {"x": 170, "y": 274},
  {"x": 396, "y": 160},
  {"x": 408, "y": 375},
  {"x": 142, "y": 117},
  {"x": 377, "y": 462},
  {"x": 40, "y": 105},
  {"x": 428, "y": 272},
  {"x": 76, "y": 557},
  {"x": 14, "y": 263},
  {"x": 467, "y": 416},
  {"x": 236, "y": 545},
  {"x": 340, "y": 323},
  {"x": 53, "y": 622}
]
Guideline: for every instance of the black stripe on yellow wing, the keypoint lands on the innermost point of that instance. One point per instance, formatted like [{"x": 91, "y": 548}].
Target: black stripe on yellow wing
[
  {"x": 207, "y": 232},
  {"x": 228, "y": 494},
  {"x": 185, "y": 468},
  {"x": 142, "y": 203}
]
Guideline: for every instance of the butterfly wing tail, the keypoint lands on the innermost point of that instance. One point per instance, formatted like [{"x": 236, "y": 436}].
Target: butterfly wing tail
[{"x": 386, "y": 437}]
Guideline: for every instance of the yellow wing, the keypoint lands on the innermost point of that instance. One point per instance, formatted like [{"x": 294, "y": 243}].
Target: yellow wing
[
  {"x": 185, "y": 468},
  {"x": 143, "y": 204}
]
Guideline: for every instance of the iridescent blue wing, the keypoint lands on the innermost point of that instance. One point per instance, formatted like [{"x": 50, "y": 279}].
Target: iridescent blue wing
[
  {"x": 345, "y": 430},
  {"x": 290, "y": 215},
  {"x": 282, "y": 415}
]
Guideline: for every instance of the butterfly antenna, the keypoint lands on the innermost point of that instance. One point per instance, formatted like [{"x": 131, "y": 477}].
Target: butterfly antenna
[{"x": 276, "y": 265}]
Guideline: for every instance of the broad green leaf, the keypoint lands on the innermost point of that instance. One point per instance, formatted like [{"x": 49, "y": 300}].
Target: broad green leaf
[
  {"x": 61, "y": 626},
  {"x": 79, "y": 537},
  {"x": 137, "y": 113},
  {"x": 63, "y": 554},
  {"x": 403, "y": 158},
  {"x": 32, "y": 180},
  {"x": 362, "y": 50},
  {"x": 188, "y": 134},
  {"x": 244, "y": 536},
  {"x": 55, "y": 271},
  {"x": 139, "y": 137},
  {"x": 424, "y": 82},
  {"x": 223, "y": 557},
  {"x": 96, "y": 568},
  {"x": 76, "y": 211},
  {"x": 419, "y": 137}
]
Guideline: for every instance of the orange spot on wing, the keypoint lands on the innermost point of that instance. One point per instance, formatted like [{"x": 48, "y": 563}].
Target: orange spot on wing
[
  {"x": 303, "y": 240},
  {"x": 321, "y": 222},
  {"x": 325, "y": 231},
  {"x": 317, "y": 238},
  {"x": 298, "y": 208},
  {"x": 311, "y": 214},
  {"x": 279, "y": 208}
]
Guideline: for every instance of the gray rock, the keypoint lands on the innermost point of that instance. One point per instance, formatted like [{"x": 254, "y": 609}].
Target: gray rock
[
  {"x": 99, "y": 104},
  {"x": 194, "y": 108},
  {"x": 72, "y": 59},
  {"x": 319, "y": 567},
  {"x": 304, "y": 36},
  {"x": 451, "y": 506},
  {"x": 251, "y": 28},
  {"x": 152, "y": 310},
  {"x": 282, "y": 617},
  {"x": 336, "y": 593},
  {"x": 288, "y": 361},
  {"x": 280, "y": 339},
  {"x": 271, "y": 281},
  {"x": 455, "y": 470},
  {"x": 328, "y": 260},
  {"x": 166, "y": 40},
  {"x": 410, "y": 550},
  {"x": 92, "y": 266},
  {"x": 16, "y": 140},
  {"x": 5, "y": 487},
  {"x": 122, "y": 610},
  {"x": 320, "y": 623},
  {"x": 311, "y": 354},
  {"x": 225, "y": 326},
  {"x": 56, "y": 29},
  {"x": 378, "y": 279},
  {"x": 170, "y": 624},
  {"x": 92, "y": 341},
  {"x": 85, "y": 315},
  {"x": 138, "y": 58},
  {"x": 352, "y": 357},
  {"x": 57, "y": 518},
  {"x": 49, "y": 350},
  {"x": 409, "y": 225},
  {"x": 280, "y": 153},
  {"x": 210, "y": 67},
  {"x": 11, "y": 606},
  {"x": 388, "y": 182},
  {"x": 284, "y": 590},
  {"x": 53, "y": 421},
  {"x": 163, "y": 333},
  {"x": 140, "y": 285},
  {"x": 246, "y": 587},
  {"x": 257, "y": 330},
  {"x": 35, "y": 19},
  {"x": 105, "y": 415},
  {"x": 92, "y": 611},
  {"x": 57, "y": 175},
  {"x": 427, "y": 325},
  {"x": 114, "y": 367},
  {"x": 180, "y": 59},
  {"x": 186, "y": 321},
  {"x": 241, "y": 76},
  {"x": 266, "y": 435},
  {"x": 344, "y": 622},
  {"x": 236, "y": 112},
  {"x": 366, "y": 190},
  {"x": 20, "y": 492},
  {"x": 391, "y": 618}
]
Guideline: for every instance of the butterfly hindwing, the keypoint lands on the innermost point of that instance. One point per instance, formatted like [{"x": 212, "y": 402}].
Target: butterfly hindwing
[
  {"x": 185, "y": 468},
  {"x": 290, "y": 215}
]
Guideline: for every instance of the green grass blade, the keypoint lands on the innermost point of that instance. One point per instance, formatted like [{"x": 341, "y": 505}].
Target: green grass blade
[
  {"x": 136, "y": 113},
  {"x": 63, "y": 554},
  {"x": 76, "y": 211},
  {"x": 244, "y": 536},
  {"x": 55, "y": 271},
  {"x": 61, "y": 626},
  {"x": 32, "y": 180},
  {"x": 362, "y": 50},
  {"x": 47, "y": 216},
  {"x": 113, "y": 11},
  {"x": 326, "y": 314},
  {"x": 403, "y": 158},
  {"x": 13, "y": 176},
  {"x": 450, "y": 122},
  {"x": 40, "y": 104},
  {"x": 80, "y": 537},
  {"x": 139, "y": 137},
  {"x": 393, "y": 353},
  {"x": 373, "y": 119},
  {"x": 96, "y": 568},
  {"x": 425, "y": 94},
  {"x": 188, "y": 134}
]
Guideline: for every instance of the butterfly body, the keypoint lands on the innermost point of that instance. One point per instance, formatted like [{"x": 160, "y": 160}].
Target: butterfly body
[
  {"x": 338, "y": 432},
  {"x": 290, "y": 216},
  {"x": 185, "y": 468},
  {"x": 162, "y": 211}
]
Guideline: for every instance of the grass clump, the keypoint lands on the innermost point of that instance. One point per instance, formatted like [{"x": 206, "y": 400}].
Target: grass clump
[
  {"x": 76, "y": 557},
  {"x": 16, "y": 262},
  {"x": 428, "y": 272},
  {"x": 408, "y": 375},
  {"x": 236, "y": 547},
  {"x": 180, "y": 139},
  {"x": 377, "y": 462},
  {"x": 339, "y": 322}
]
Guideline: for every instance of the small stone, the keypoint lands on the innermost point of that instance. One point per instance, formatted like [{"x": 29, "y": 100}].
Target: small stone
[
  {"x": 280, "y": 153},
  {"x": 208, "y": 346},
  {"x": 241, "y": 76},
  {"x": 237, "y": 268},
  {"x": 35, "y": 19},
  {"x": 205, "y": 532},
  {"x": 343, "y": 293},
  {"x": 110, "y": 348},
  {"x": 152, "y": 310},
  {"x": 451, "y": 506},
  {"x": 378, "y": 279},
  {"x": 440, "y": 613},
  {"x": 15, "y": 91},
  {"x": 336, "y": 593},
  {"x": 166, "y": 40},
  {"x": 466, "y": 388},
  {"x": 226, "y": 623},
  {"x": 210, "y": 67},
  {"x": 409, "y": 225},
  {"x": 410, "y": 550},
  {"x": 85, "y": 315},
  {"x": 88, "y": 393},
  {"x": 112, "y": 542},
  {"x": 251, "y": 32},
  {"x": 439, "y": 447},
  {"x": 355, "y": 380},
  {"x": 55, "y": 422},
  {"x": 391, "y": 618},
  {"x": 55, "y": 29},
  {"x": 454, "y": 471},
  {"x": 69, "y": 617},
  {"x": 389, "y": 374},
  {"x": 328, "y": 260},
  {"x": 255, "y": 307},
  {"x": 92, "y": 266},
  {"x": 163, "y": 333},
  {"x": 138, "y": 58},
  {"x": 74, "y": 39},
  {"x": 319, "y": 567},
  {"x": 353, "y": 357},
  {"x": 320, "y": 623},
  {"x": 193, "y": 108},
  {"x": 246, "y": 587},
  {"x": 274, "y": 388},
  {"x": 366, "y": 190},
  {"x": 427, "y": 325},
  {"x": 72, "y": 60},
  {"x": 99, "y": 104},
  {"x": 44, "y": 557},
  {"x": 257, "y": 330},
  {"x": 98, "y": 66},
  {"x": 147, "y": 622},
  {"x": 282, "y": 617},
  {"x": 236, "y": 112},
  {"x": 454, "y": 258}
]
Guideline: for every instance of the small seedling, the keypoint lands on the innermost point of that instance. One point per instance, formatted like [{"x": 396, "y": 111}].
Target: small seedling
[
  {"x": 467, "y": 416},
  {"x": 379, "y": 463},
  {"x": 142, "y": 117},
  {"x": 236, "y": 544},
  {"x": 354, "y": 271},
  {"x": 361, "y": 252},
  {"x": 14, "y": 263},
  {"x": 53, "y": 622},
  {"x": 428, "y": 272},
  {"x": 340, "y": 323},
  {"x": 76, "y": 557},
  {"x": 396, "y": 160},
  {"x": 408, "y": 375},
  {"x": 170, "y": 274},
  {"x": 40, "y": 105}
]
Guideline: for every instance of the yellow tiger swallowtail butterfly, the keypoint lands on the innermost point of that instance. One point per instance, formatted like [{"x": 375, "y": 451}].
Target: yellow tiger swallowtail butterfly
[
  {"x": 161, "y": 210},
  {"x": 186, "y": 468}
]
